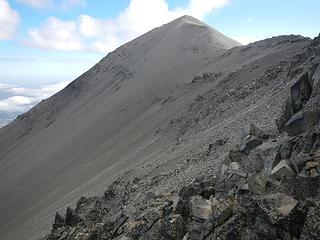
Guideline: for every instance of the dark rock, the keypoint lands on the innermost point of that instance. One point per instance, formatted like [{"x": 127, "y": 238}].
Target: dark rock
[
  {"x": 277, "y": 206},
  {"x": 119, "y": 222},
  {"x": 286, "y": 150},
  {"x": 301, "y": 122},
  {"x": 188, "y": 191},
  {"x": 58, "y": 221},
  {"x": 249, "y": 143},
  {"x": 233, "y": 228},
  {"x": 252, "y": 130},
  {"x": 72, "y": 218},
  {"x": 311, "y": 228},
  {"x": 270, "y": 155},
  {"x": 196, "y": 231},
  {"x": 251, "y": 138},
  {"x": 208, "y": 192},
  {"x": 299, "y": 162},
  {"x": 300, "y": 92},
  {"x": 199, "y": 207},
  {"x": 221, "y": 212},
  {"x": 176, "y": 206},
  {"x": 301, "y": 187},
  {"x": 173, "y": 227},
  {"x": 282, "y": 169}
]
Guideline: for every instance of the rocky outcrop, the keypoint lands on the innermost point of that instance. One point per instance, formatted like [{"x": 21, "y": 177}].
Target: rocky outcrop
[
  {"x": 238, "y": 204},
  {"x": 301, "y": 109}
]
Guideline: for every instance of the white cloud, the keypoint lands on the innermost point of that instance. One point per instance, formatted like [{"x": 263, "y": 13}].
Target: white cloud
[
  {"x": 200, "y": 8},
  {"x": 9, "y": 20},
  {"x": 250, "y": 19},
  {"x": 61, "y": 4},
  {"x": 104, "y": 35},
  {"x": 22, "y": 99},
  {"x": 57, "y": 35},
  {"x": 38, "y": 3},
  {"x": 246, "y": 40}
]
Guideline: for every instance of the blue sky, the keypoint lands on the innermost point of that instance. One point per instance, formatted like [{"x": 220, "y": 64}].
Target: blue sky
[{"x": 45, "y": 44}]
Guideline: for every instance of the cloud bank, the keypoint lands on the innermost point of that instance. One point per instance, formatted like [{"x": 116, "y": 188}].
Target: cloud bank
[
  {"x": 21, "y": 99},
  {"x": 9, "y": 20},
  {"x": 104, "y": 35}
]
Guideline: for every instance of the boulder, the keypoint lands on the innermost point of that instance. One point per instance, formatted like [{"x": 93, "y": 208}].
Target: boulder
[
  {"x": 188, "y": 191},
  {"x": 222, "y": 211},
  {"x": 176, "y": 205},
  {"x": 311, "y": 228},
  {"x": 249, "y": 143},
  {"x": 282, "y": 169},
  {"x": 277, "y": 206},
  {"x": 172, "y": 227},
  {"x": 299, "y": 162},
  {"x": 72, "y": 218},
  {"x": 300, "y": 92},
  {"x": 200, "y": 208},
  {"x": 252, "y": 137},
  {"x": 253, "y": 130},
  {"x": 231, "y": 229}
]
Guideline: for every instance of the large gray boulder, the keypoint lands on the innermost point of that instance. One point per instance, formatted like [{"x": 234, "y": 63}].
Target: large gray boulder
[
  {"x": 200, "y": 208},
  {"x": 251, "y": 138}
]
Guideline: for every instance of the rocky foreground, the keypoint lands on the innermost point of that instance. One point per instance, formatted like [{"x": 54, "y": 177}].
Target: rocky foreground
[{"x": 268, "y": 188}]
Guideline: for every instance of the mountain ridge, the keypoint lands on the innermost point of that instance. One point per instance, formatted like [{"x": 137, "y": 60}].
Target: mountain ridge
[{"x": 119, "y": 112}]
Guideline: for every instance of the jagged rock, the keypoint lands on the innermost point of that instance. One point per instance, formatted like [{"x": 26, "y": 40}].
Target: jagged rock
[
  {"x": 208, "y": 192},
  {"x": 58, "y": 221},
  {"x": 311, "y": 228},
  {"x": 176, "y": 205},
  {"x": 253, "y": 130},
  {"x": 282, "y": 169},
  {"x": 299, "y": 162},
  {"x": 285, "y": 150},
  {"x": 221, "y": 212},
  {"x": 119, "y": 222},
  {"x": 270, "y": 155},
  {"x": 277, "y": 206},
  {"x": 300, "y": 93},
  {"x": 301, "y": 122},
  {"x": 233, "y": 228},
  {"x": 249, "y": 143},
  {"x": 199, "y": 207},
  {"x": 188, "y": 191},
  {"x": 252, "y": 137},
  {"x": 196, "y": 231},
  {"x": 173, "y": 227},
  {"x": 302, "y": 187},
  {"x": 72, "y": 218}
]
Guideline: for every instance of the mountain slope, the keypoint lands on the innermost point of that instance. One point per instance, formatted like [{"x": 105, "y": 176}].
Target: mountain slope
[
  {"x": 129, "y": 111},
  {"x": 99, "y": 118}
]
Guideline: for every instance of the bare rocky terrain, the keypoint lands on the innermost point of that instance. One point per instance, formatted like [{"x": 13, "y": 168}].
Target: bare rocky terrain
[{"x": 180, "y": 134}]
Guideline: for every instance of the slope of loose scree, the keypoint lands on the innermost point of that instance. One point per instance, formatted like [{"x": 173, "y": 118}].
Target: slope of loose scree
[{"x": 265, "y": 187}]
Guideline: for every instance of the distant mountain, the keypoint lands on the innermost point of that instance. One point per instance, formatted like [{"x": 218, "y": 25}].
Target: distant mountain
[{"x": 143, "y": 112}]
